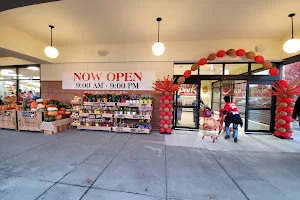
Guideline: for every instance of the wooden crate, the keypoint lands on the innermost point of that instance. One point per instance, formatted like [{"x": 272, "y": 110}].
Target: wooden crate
[
  {"x": 30, "y": 120},
  {"x": 56, "y": 126},
  {"x": 8, "y": 119}
]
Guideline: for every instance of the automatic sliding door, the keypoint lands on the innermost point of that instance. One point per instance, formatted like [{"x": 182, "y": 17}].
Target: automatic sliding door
[
  {"x": 187, "y": 106},
  {"x": 259, "y": 104}
]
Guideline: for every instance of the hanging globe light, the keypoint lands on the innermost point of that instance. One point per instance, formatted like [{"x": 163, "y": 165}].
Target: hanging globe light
[
  {"x": 158, "y": 48},
  {"x": 51, "y": 51},
  {"x": 292, "y": 45}
]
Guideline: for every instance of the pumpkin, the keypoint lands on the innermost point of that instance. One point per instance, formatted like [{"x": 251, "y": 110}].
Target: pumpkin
[
  {"x": 34, "y": 104},
  {"x": 62, "y": 109},
  {"x": 33, "y": 109},
  {"x": 30, "y": 101},
  {"x": 18, "y": 108},
  {"x": 58, "y": 117},
  {"x": 68, "y": 113},
  {"x": 0, "y": 107},
  {"x": 39, "y": 100},
  {"x": 52, "y": 109},
  {"x": 49, "y": 119},
  {"x": 52, "y": 113},
  {"x": 61, "y": 112},
  {"x": 5, "y": 107}
]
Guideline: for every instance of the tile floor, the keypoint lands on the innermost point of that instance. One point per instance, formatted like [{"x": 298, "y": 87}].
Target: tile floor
[{"x": 108, "y": 166}]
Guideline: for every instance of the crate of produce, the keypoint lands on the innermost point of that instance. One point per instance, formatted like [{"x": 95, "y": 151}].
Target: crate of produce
[
  {"x": 8, "y": 119},
  {"x": 56, "y": 126},
  {"x": 30, "y": 120}
]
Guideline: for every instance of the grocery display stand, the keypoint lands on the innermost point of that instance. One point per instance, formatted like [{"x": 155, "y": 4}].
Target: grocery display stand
[
  {"x": 105, "y": 116},
  {"x": 76, "y": 105},
  {"x": 8, "y": 119},
  {"x": 30, "y": 120}
]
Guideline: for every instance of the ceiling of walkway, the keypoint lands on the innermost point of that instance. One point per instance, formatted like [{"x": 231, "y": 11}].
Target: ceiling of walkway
[{"x": 80, "y": 22}]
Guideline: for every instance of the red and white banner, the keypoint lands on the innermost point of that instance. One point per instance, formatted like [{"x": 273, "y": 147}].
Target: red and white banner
[{"x": 108, "y": 80}]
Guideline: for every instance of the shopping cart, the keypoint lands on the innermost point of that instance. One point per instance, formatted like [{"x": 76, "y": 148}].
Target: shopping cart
[{"x": 211, "y": 127}]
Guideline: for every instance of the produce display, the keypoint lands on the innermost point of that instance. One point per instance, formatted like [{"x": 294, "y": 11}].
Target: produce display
[
  {"x": 76, "y": 106},
  {"x": 115, "y": 112}
]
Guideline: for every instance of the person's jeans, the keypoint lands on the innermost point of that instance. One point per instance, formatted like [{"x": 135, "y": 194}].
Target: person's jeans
[{"x": 235, "y": 130}]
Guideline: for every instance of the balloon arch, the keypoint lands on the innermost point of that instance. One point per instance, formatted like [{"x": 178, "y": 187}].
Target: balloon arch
[
  {"x": 167, "y": 86},
  {"x": 232, "y": 53}
]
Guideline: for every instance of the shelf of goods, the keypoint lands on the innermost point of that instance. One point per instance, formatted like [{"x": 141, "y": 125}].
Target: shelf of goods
[
  {"x": 111, "y": 116},
  {"x": 8, "y": 119},
  {"x": 76, "y": 103},
  {"x": 30, "y": 120}
]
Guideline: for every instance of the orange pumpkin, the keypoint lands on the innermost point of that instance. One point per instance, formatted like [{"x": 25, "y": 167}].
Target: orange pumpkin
[
  {"x": 18, "y": 107},
  {"x": 0, "y": 107},
  {"x": 30, "y": 101},
  {"x": 34, "y": 104},
  {"x": 58, "y": 117},
  {"x": 62, "y": 109},
  {"x": 61, "y": 112},
  {"x": 5, "y": 107},
  {"x": 52, "y": 113},
  {"x": 45, "y": 102}
]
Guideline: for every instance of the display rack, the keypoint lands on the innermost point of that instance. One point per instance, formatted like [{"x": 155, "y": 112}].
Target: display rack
[
  {"x": 8, "y": 119},
  {"x": 115, "y": 116},
  {"x": 76, "y": 105}
]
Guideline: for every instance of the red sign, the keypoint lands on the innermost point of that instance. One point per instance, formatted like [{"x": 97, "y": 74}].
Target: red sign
[{"x": 188, "y": 90}]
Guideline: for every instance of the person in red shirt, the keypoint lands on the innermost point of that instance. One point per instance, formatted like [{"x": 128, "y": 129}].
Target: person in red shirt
[{"x": 232, "y": 117}]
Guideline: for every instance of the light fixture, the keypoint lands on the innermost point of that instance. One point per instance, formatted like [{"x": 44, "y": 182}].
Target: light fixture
[
  {"x": 292, "y": 45},
  {"x": 158, "y": 48},
  {"x": 51, "y": 51},
  {"x": 33, "y": 68}
]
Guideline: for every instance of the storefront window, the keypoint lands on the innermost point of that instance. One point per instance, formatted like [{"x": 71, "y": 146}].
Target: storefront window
[
  {"x": 211, "y": 69},
  {"x": 20, "y": 82},
  {"x": 180, "y": 69},
  {"x": 257, "y": 69},
  {"x": 291, "y": 71},
  {"x": 236, "y": 69}
]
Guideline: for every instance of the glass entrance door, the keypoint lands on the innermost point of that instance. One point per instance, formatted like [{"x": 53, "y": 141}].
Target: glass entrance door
[
  {"x": 259, "y": 107},
  {"x": 186, "y": 106}
]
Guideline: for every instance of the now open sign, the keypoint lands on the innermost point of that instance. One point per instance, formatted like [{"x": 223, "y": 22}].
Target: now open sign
[{"x": 108, "y": 80}]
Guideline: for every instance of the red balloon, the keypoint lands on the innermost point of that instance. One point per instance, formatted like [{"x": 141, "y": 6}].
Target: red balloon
[
  {"x": 163, "y": 113},
  {"x": 277, "y": 133},
  {"x": 221, "y": 53},
  {"x": 274, "y": 71},
  {"x": 170, "y": 106},
  {"x": 280, "y": 100},
  {"x": 288, "y": 109},
  {"x": 278, "y": 125},
  {"x": 169, "y": 121},
  {"x": 168, "y": 130},
  {"x": 286, "y": 135},
  {"x": 187, "y": 73},
  {"x": 259, "y": 59},
  {"x": 169, "y": 114},
  {"x": 162, "y": 121},
  {"x": 278, "y": 117},
  {"x": 162, "y": 130},
  {"x": 163, "y": 105},
  {"x": 163, "y": 97},
  {"x": 202, "y": 61},
  {"x": 288, "y": 100},
  {"x": 286, "y": 126},
  {"x": 240, "y": 52},
  {"x": 283, "y": 83},
  {"x": 287, "y": 119},
  {"x": 279, "y": 109},
  {"x": 169, "y": 98}
]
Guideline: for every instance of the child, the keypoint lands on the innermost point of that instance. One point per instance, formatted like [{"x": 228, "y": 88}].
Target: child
[{"x": 232, "y": 116}]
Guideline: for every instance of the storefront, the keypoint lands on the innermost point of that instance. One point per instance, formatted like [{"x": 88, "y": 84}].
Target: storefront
[
  {"x": 20, "y": 82},
  {"x": 246, "y": 83}
]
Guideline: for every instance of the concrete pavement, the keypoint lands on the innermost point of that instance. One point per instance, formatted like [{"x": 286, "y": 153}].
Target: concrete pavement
[{"x": 100, "y": 165}]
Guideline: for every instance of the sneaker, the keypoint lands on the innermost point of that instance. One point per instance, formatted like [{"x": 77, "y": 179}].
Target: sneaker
[
  {"x": 227, "y": 136},
  {"x": 235, "y": 140}
]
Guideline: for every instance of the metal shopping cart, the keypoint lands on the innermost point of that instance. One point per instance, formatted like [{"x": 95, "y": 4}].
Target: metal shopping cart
[{"x": 211, "y": 127}]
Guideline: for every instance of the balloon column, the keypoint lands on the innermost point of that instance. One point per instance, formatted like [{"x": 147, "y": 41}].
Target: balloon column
[
  {"x": 285, "y": 92},
  {"x": 232, "y": 53},
  {"x": 167, "y": 88}
]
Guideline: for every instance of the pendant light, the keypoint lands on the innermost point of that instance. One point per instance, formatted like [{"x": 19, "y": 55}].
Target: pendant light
[
  {"x": 51, "y": 51},
  {"x": 292, "y": 45},
  {"x": 158, "y": 48}
]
